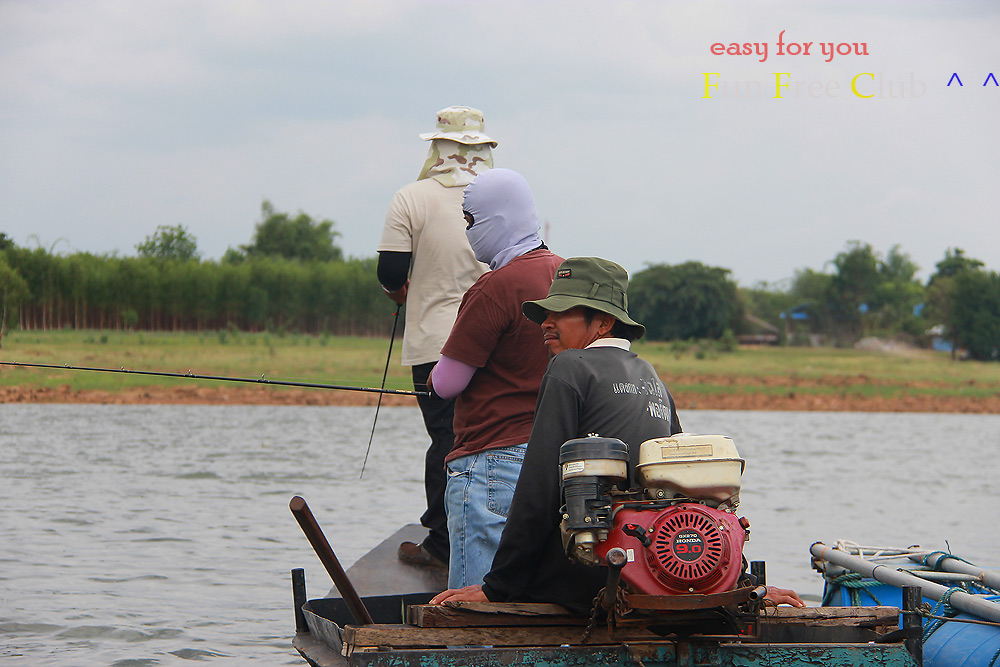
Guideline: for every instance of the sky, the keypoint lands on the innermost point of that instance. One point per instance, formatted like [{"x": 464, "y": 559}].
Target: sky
[{"x": 640, "y": 143}]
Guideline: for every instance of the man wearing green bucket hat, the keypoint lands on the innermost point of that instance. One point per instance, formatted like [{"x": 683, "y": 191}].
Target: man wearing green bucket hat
[
  {"x": 594, "y": 384},
  {"x": 584, "y": 288}
]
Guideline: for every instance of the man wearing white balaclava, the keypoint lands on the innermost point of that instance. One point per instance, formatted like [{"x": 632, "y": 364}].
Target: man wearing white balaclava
[
  {"x": 506, "y": 224},
  {"x": 425, "y": 261},
  {"x": 493, "y": 362}
]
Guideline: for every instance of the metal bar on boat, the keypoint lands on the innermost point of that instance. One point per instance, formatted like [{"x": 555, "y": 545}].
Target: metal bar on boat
[
  {"x": 948, "y": 563},
  {"x": 914, "y": 643},
  {"x": 616, "y": 560},
  {"x": 299, "y": 598},
  {"x": 959, "y": 599}
]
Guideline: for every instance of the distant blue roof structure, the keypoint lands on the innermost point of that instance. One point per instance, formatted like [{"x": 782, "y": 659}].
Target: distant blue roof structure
[{"x": 797, "y": 313}]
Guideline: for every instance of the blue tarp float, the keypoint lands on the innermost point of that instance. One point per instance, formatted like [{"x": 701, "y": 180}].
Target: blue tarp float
[{"x": 961, "y": 601}]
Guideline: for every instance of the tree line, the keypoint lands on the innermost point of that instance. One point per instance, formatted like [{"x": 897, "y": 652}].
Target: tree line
[
  {"x": 84, "y": 291},
  {"x": 864, "y": 294},
  {"x": 292, "y": 276}
]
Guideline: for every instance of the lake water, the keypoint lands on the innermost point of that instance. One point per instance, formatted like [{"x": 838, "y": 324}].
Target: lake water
[{"x": 135, "y": 536}]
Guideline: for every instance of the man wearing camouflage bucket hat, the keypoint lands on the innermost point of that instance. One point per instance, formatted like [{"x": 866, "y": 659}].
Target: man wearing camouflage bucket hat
[
  {"x": 594, "y": 383},
  {"x": 425, "y": 260}
]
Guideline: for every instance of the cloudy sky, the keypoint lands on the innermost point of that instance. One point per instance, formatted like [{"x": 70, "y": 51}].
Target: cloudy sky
[{"x": 117, "y": 116}]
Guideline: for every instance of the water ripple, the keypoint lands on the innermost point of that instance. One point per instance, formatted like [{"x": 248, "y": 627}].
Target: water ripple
[
  {"x": 14, "y": 628},
  {"x": 196, "y": 654}
]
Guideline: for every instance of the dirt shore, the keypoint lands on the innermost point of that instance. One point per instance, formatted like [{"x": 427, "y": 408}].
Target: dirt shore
[{"x": 748, "y": 400}]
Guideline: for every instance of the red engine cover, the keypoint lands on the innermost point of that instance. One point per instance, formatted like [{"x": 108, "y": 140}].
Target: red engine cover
[{"x": 693, "y": 549}]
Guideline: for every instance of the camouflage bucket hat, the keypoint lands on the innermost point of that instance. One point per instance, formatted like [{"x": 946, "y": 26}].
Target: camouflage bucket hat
[
  {"x": 586, "y": 281},
  {"x": 462, "y": 124}
]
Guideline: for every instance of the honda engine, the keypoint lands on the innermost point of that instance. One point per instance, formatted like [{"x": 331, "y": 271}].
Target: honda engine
[{"x": 675, "y": 523}]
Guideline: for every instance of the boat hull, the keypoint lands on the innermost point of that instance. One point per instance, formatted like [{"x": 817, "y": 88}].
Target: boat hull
[{"x": 663, "y": 654}]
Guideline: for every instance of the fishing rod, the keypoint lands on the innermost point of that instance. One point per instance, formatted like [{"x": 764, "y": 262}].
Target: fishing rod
[
  {"x": 385, "y": 374},
  {"x": 223, "y": 378}
]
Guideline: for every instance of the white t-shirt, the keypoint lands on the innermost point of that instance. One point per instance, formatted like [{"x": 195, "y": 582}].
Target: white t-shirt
[{"x": 425, "y": 219}]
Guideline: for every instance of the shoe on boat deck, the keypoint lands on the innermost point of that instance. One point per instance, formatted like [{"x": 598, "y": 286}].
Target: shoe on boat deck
[{"x": 415, "y": 554}]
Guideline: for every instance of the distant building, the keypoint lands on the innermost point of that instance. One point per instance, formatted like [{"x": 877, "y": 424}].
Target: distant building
[{"x": 760, "y": 332}]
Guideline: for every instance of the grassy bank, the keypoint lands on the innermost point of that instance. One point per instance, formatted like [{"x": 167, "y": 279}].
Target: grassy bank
[{"x": 749, "y": 378}]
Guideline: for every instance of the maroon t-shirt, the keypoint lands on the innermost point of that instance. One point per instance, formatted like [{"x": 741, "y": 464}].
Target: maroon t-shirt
[{"x": 492, "y": 334}]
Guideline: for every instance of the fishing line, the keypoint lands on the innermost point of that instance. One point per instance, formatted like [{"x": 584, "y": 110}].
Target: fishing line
[
  {"x": 385, "y": 374},
  {"x": 224, "y": 378}
]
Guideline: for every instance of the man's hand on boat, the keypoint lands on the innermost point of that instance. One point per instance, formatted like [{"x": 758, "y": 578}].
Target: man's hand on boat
[
  {"x": 778, "y": 596},
  {"x": 472, "y": 593}
]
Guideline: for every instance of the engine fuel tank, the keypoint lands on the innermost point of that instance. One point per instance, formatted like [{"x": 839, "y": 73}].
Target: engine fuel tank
[{"x": 701, "y": 467}]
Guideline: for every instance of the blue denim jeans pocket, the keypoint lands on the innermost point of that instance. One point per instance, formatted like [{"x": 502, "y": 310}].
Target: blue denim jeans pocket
[{"x": 503, "y": 466}]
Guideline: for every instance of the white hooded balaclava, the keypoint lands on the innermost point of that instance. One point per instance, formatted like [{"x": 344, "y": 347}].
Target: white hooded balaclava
[
  {"x": 460, "y": 148},
  {"x": 453, "y": 164},
  {"x": 506, "y": 224}
]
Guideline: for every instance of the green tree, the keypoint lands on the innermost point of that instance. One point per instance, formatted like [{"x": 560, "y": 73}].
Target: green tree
[
  {"x": 685, "y": 301},
  {"x": 810, "y": 285},
  {"x": 169, "y": 242},
  {"x": 234, "y": 256},
  {"x": 976, "y": 313},
  {"x": 5, "y": 242},
  {"x": 279, "y": 235},
  {"x": 897, "y": 292},
  {"x": 810, "y": 292},
  {"x": 954, "y": 262},
  {"x": 852, "y": 290},
  {"x": 13, "y": 290},
  {"x": 941, "y": 291}
]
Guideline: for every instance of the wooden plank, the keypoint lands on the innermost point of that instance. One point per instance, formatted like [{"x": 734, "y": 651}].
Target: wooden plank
[
  {"x": 539, "y": 609},
  {"x": 484, "y": 614},
  {"x": 520, "y": 608},
  {"x": 489, "y": 634},
  {"x": 408, "y": 636},
  {"x": 830, "y": 615},
  {"x": 817, "y": 625}
]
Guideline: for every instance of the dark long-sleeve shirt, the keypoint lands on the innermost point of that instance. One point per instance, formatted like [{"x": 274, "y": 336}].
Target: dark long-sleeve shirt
[{"x": 603, "y": 390}]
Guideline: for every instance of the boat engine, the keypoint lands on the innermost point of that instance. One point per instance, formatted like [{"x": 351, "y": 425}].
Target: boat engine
[{"x": 676, "y": 524}]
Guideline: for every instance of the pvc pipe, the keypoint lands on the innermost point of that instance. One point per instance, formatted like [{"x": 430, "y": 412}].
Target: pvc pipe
[
  {"x": 942, "y": 561},
  {"x": 960, "y": 600}
]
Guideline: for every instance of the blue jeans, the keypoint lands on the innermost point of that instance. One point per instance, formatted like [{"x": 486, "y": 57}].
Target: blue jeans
[{"x": 477, "y": 499}]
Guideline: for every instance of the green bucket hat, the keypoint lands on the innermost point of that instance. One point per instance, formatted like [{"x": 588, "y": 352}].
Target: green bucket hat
[{"x": 586, "y": 281}]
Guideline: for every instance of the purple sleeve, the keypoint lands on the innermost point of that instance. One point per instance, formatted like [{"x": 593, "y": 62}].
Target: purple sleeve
[{"x": 451, "y": 377}]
